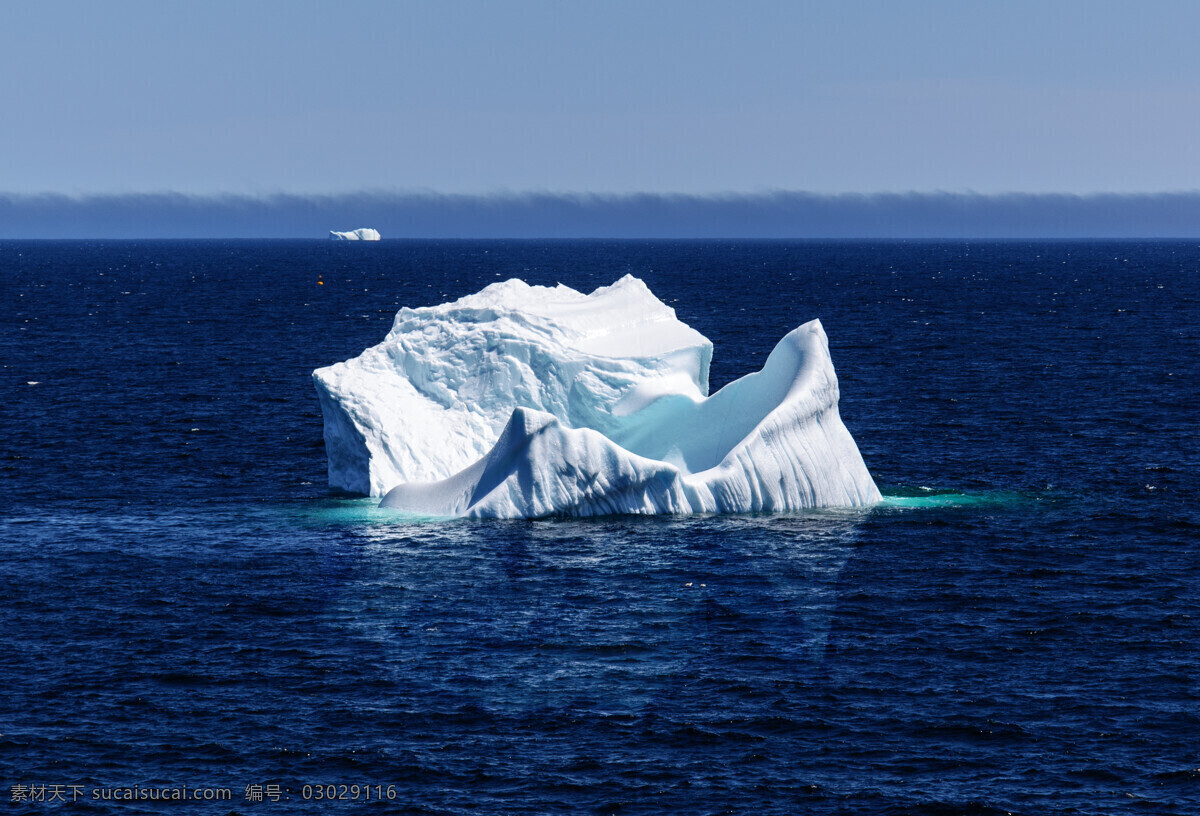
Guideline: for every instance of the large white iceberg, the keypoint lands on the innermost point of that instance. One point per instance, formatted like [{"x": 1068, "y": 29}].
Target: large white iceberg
[
  {"x": 529, "y": 401},
  {"x": 364, "y": 234}
]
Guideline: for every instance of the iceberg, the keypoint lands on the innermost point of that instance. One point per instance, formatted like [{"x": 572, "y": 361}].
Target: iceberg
[
  {"x": 364, "y": 234},
  {"x": 527, "y": 401}
]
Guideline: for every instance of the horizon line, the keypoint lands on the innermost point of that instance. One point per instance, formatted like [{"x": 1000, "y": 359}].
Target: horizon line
[{"x": 780, "y": 214}]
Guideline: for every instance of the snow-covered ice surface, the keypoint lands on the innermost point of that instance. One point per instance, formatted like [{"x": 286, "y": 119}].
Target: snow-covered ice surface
[
  {"x": 526, "y": 401},
  {"x": 364, "y": 234}
]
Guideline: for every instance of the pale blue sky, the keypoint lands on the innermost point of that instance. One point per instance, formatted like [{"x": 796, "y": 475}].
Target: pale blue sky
[{"x": 605, "y": 97}]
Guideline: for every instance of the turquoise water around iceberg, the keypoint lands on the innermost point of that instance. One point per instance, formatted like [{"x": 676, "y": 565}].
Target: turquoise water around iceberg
[{"x": 933, "y": 498}]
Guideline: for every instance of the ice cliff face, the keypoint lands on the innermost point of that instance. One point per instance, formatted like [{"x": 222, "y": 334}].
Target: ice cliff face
[
  {"x": 364, "y": 234},
  {"x": 525, "y": 401}
]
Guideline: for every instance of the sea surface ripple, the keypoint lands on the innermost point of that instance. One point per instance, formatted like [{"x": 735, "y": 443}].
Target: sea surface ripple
[{"x": 1013, "y": 630}]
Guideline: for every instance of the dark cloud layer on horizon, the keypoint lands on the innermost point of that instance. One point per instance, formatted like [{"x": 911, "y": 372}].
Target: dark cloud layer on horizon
[{"x": 547, "y": 215}]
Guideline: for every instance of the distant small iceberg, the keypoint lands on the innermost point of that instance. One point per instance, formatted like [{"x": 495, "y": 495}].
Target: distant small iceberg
[{"x": 364, "y": 234}]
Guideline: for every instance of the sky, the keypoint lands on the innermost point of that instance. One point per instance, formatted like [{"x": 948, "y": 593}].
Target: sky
[{"x": 506, "y": 99}]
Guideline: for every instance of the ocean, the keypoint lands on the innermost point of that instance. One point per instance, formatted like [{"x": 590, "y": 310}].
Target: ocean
[{"x": 187, "y": 612}]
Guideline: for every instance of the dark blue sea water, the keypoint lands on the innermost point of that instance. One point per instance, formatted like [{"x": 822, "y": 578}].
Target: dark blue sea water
[{"x": 1015, "y": 630}]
